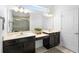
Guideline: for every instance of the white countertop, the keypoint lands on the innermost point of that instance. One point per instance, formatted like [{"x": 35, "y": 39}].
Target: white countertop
[
  {"x": 16, "y": 35},
  {"x": 51, "y": 31},
  {"x": 41, "y": 35}
]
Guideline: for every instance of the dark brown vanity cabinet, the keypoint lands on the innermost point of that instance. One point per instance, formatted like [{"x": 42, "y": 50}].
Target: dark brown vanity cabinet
[
  {"x": 21, "y": 45},
  {"x": 56, "y": 38},
  {"x": 52, "y": 41}
]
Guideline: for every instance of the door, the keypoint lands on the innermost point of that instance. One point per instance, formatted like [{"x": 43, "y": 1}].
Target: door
[
  {"x": 75, "y": 28},
  {"x": 69, "y": 28}
]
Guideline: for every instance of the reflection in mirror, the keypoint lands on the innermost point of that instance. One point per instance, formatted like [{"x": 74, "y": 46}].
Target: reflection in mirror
[
  {"x": 20, "y": 21},
  {"x": 25, "y": 18}
]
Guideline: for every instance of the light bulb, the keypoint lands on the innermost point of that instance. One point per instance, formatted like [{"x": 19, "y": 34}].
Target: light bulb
[
  {"x": 21, "y": 10},
  {"x": 16, "y": 9},
  {"x": 27, "y": 11}
]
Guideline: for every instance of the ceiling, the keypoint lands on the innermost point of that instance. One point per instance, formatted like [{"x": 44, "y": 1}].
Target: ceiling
[
  {"x": 40, "y": 8},
  {"x": 47, "y": 6},
  {"x": 50, "y": 7},
  {"x": 35, "y": 8}
]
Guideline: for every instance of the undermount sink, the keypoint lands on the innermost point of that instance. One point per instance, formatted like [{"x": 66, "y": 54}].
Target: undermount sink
[{"x": 22, "y": 33}]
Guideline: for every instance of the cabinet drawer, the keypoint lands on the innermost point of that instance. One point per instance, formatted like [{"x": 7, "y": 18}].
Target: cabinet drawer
[
  {"x": 9, "y": 43},
  {"x": 55, "y": 34},
  {"x": 26, "y": 39},
  {"x": 18, "y": 48}
]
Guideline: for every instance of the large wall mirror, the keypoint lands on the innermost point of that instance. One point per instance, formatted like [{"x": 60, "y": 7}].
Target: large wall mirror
[
  {"x": 19, "y": 21},
  {"x": 27, "y": 18}
]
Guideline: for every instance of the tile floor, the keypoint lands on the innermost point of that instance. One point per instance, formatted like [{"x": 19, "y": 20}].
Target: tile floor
[{"x": 57, "y": 49}]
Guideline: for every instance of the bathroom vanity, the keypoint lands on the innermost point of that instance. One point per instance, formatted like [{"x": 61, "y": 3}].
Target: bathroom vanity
[
  {"x": 24, "y": 42},
  {"x": 19, "y": 43},
  {"x": 53, "y": 39}
]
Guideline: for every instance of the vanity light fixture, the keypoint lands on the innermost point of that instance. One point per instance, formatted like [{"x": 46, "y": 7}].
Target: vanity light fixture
[
  {"x": 16, "y": 9},
  {"x": 27, "y": 11},
  {"x": 48, "y": 14},
  {"x": 20, "y": 9}
]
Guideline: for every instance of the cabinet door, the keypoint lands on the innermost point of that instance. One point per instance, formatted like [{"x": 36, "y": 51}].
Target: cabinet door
[
  {"x": 56, "y": 38},
  {"x": 26, "y": 45},
  {"x": 13, "y": 49},
  {"x": 51, "y": 40},
  {"x": 46, "y": 42},
  {"x": 29, "y": 45},
  {"x": 12, "y": 46},
  {"x": 7, "y": 45},
  {"x": 22, "y": 45}
]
